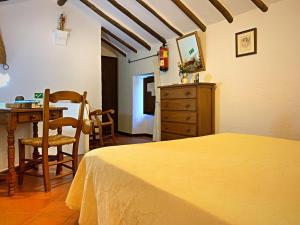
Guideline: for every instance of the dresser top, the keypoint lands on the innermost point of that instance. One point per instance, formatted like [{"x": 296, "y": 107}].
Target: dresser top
[{"x": 189, "y": 84}]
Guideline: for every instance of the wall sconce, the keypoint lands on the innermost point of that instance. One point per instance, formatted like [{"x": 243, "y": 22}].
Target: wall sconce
[{"x": 60, "y": 35}]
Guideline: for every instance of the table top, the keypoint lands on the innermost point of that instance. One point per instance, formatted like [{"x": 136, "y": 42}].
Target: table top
[{"x": 6, "y": 110}]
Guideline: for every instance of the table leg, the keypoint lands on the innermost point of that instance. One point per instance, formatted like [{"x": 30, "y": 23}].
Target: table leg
[
  {"x": 11, "y": 176},
  {"x": 35, "y": 154}
]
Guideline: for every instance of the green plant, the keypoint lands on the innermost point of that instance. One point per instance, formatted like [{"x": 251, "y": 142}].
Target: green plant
[{"x": 189, "y": 66}]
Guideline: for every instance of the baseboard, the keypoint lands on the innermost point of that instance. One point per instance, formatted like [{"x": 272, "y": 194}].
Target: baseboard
[
  {"x": 4, "y": 172},
  {"x": 135, "y": 135}
]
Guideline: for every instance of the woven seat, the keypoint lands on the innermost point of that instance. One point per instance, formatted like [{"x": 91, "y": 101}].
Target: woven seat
[{"x": 55, "y": 140}]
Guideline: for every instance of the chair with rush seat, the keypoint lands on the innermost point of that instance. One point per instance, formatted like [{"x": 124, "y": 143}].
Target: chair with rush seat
[
  {"x": 59, "y": 140},
  {"x": 98, "y": 124}
]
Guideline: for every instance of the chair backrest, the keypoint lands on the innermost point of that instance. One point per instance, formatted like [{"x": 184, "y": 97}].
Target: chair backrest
[{"x": 72, "y": 97}]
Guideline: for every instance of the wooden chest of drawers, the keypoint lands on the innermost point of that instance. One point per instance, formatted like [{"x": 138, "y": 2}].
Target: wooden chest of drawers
[{"x": 187, "y": 110}]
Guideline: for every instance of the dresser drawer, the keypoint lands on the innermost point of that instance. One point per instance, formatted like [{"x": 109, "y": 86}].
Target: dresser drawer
[
  {"x": 179, "y": 104},
  {"x": 179, "y": 116},
  {"x": 178, "y": 92},
  {"x": 179, "y": 128},
  {"x": 168, "y": 136}
]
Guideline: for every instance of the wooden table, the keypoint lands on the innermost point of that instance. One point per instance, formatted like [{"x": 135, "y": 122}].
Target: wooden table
[{"x": 11, "y": 118}]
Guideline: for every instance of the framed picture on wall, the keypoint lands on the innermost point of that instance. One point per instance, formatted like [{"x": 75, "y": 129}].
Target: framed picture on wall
[{"x": 246, "y": 42}]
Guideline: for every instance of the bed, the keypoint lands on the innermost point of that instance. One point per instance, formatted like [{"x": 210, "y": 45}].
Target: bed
[{"x": 223, "y": 179}]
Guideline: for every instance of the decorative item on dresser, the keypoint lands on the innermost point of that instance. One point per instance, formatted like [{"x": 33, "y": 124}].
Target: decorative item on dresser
[{"x": 187, "y": 110}]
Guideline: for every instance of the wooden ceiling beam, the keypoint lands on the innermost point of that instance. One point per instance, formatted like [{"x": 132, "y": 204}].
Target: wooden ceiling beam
[
  {"x": 189, "y": 14},
  {"x": 116, "y": 24},
  {"x": 113, "y": 46},
  {"x": 153, "y": 12},
  {"x": 138, "y": 21},
  {"x": 261, "y": 5},
  {"x": 61, "y": 2},
  {"x": 218, "y": 5},
  {"x": 118, "y": 39}
]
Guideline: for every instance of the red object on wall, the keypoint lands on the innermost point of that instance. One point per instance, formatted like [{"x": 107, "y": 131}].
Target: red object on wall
[{"x": 164, "y": 58}]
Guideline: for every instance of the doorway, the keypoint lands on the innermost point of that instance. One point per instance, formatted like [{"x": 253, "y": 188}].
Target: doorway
[
  {"x": 110, "y": 86},
  {"x": 142, "y": 122}
]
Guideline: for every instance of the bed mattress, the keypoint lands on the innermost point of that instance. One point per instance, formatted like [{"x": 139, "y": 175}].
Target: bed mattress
[{"x": 224, "y": 179}]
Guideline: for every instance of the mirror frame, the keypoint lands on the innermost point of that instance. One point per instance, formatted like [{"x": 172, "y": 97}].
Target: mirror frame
[{"x": 202, "y": 61}]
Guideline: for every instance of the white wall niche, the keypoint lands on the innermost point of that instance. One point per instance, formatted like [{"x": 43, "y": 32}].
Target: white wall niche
[{"x": 141, "y": 123}]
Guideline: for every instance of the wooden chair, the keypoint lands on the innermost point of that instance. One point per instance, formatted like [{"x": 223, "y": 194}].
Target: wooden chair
[
  {"x": 58, "y": 140},
  {"x": 97, "y": 126}
]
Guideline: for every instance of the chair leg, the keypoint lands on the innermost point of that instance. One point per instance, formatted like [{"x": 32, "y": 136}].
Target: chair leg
[
  {"x": 113, "y": 134},
  {"x": 75, "y": 158},
  {"x": 46, "y": 176},
  {"x": 60, "y": 157},
  {"x": 21, "y": 162},
  {"x": 101, "y": 136},
  {"x": 94, "y": 139}
]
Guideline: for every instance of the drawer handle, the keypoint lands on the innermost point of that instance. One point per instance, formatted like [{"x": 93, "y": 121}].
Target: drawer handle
[
  {"x": 187, "y": 93},
  {"x": 188, "y": 106},
  {"x": 166, "y": 128},
  {"x": 188, "y": 130},
  {"x": 166, "y": 94},
  {"x": 188, "y": 118},
  {"x": 33, "y": 117}
]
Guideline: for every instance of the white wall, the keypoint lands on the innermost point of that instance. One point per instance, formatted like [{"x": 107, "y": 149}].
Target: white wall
[
  {"x": 36, "y": 63},
  {"x": 256, "y": 94},
  {"x": 260, "y": 93}
]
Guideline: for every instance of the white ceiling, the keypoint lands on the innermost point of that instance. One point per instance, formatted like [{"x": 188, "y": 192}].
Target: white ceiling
[
  {"x": 205, "y": 11},
  {"x": 168, "y": 10}
]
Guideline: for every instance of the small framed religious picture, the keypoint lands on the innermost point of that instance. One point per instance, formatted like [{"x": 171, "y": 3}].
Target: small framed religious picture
[{"x": 246, "y": 42}]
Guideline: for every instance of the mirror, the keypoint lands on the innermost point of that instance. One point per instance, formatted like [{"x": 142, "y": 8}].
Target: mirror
[{"x": 190, "y": 52}]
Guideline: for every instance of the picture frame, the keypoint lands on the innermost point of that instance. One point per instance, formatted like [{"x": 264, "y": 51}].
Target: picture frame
[{"x": 246, "y": 42}]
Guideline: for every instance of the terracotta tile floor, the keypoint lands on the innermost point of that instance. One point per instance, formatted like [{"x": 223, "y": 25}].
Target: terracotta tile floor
[{"x": 32, "y": 206}]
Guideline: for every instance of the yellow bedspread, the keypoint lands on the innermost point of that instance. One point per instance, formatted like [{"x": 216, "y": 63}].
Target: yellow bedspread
[{"x": 224, "y": 179}]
